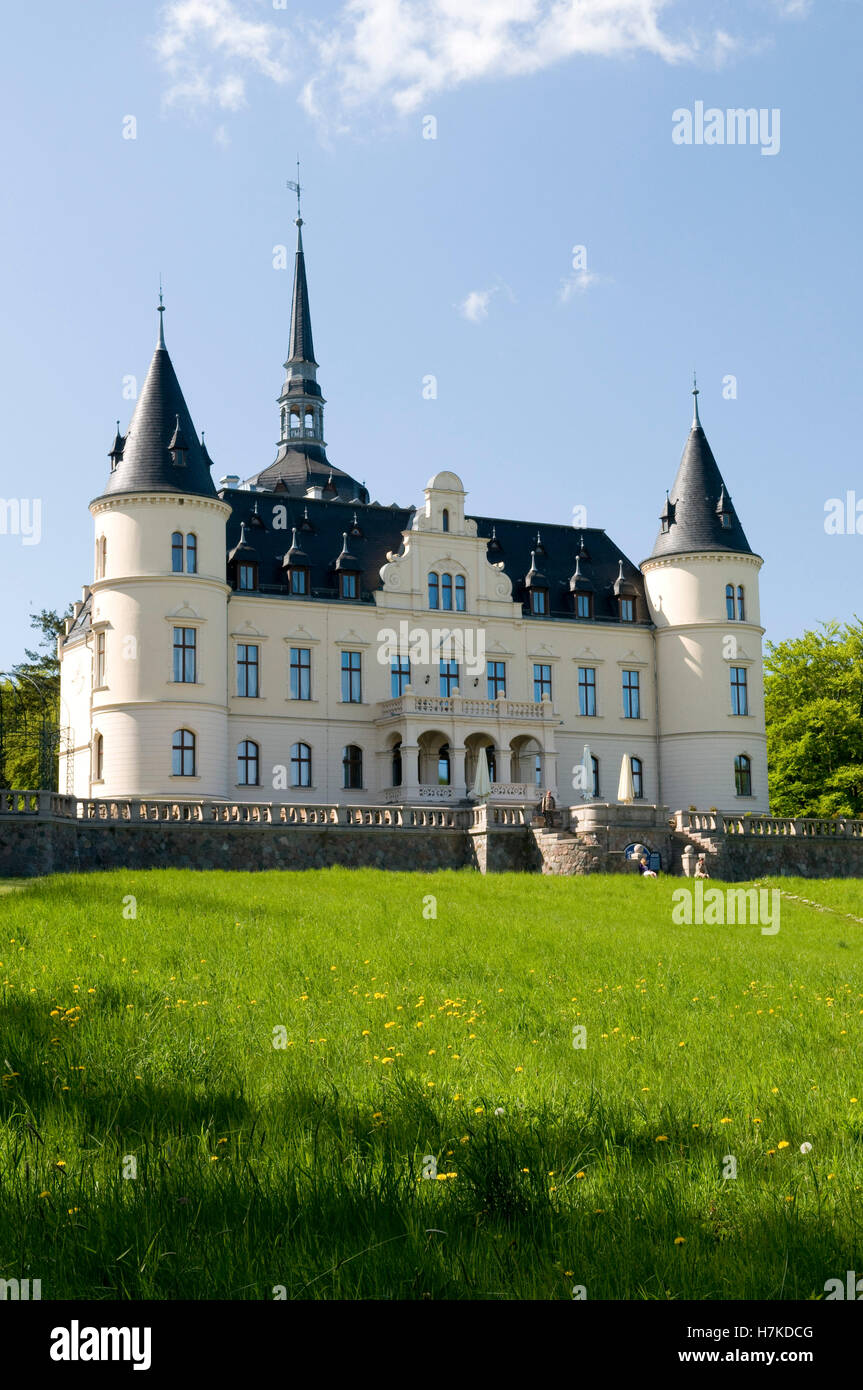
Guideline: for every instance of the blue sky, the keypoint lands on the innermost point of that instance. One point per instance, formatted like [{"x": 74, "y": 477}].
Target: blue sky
[{"x": 452, "y": 256}]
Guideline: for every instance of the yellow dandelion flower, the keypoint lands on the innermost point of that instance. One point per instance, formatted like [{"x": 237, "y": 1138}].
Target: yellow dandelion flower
[
  {"x": 661, "y": 1139},
  {"x": 680, "y": 1240},
  {"x": 581, "y": 1175},
  {"x": 783, "y": 1144}
]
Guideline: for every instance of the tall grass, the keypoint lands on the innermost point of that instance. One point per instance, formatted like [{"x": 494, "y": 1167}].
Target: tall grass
[{"x": 409, "y": 1038}]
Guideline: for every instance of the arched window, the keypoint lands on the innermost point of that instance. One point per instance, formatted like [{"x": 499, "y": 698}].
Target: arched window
[
  {"x": 445, "y": 519},
  {"x": 434, "y": 599},
  {"x": 177, "y": 552},
  {"x": 101, "y": 553},
  {"x": 191, "y": 553},
  {"x": 460, "y": 593},
  {"x": 301, "y": 765},
  {"x": 443, "y": 765},
  {"x": 729, "y": 602},
  {"x": 743, "y": 775},
  {"x": 183, "y": 749},
  {"x": 594, "y": 763},
  {"x": 638, "y": 779},
  {"x": 741, "y": 609},
  {"x": 352, "y": 767},
  {"x": 98, "y": 758},
  {"x": 248, "y": 761},
  {"x": 446, "y": 592},
  {"x": 397, "y": 765},
  {"x": 284, "y": 421}
]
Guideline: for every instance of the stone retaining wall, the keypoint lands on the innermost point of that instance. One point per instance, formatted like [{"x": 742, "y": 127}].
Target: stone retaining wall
[{"x": 43, "y": 835}]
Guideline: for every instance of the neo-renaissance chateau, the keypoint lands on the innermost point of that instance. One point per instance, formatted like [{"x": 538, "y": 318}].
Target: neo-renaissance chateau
[{"x": 289, "y": 639}]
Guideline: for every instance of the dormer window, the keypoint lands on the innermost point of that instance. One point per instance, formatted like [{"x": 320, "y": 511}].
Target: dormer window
[
  {"x": 584, "y": 605},
  {"x": 627, "y": 610},
  {"x": 247, "y": 576},
  {"x": 347, "y": 585},
  {"x": 726, "y": 521},
  {"x": 298, "y": 579},
  {"x": 539, "y": 602}
]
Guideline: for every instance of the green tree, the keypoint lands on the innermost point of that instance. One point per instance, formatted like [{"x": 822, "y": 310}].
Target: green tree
[
  {"x": 29, "y": 709},
  {"x": 813, "y": 687}
]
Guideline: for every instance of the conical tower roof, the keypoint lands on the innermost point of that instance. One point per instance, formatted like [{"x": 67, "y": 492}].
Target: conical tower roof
[
  {"x": 699, "y": 513},
  {"x": 161, "y": 420}
]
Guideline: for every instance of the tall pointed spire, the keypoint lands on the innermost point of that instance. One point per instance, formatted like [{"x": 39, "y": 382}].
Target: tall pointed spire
[
  {"x": 301, "y": 465},
  {"x": 302, "y": 349},
  {"x": 698, "y": 513}
]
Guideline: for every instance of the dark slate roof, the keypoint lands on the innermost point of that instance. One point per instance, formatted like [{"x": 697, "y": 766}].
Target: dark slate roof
[
  {"x": 301, "y": 349},
  {"x": 695, "y": 499},
  {"x": 145, "y": 464},
  {"x": 303, "y": 465},
  {"x": 599, "y": 562},
  {"x": 320, "y": 525}
]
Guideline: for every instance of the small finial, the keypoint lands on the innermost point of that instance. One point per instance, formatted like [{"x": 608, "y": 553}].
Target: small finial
[
  {"x": 296, "y": 187},
  {"x": 161, "y": 312},
  {"x": 696, "y": 423}
]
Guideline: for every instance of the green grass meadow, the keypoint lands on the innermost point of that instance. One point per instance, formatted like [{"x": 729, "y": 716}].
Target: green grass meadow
[{"x": 152, "y": 1045}]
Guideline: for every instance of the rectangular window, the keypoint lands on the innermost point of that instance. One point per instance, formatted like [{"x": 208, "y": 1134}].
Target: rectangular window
[
  {"x": 539, "y": 602},
  {"x": 627, "y": 610},
  {"x": 448, "y": 677},
  {"x": 299, "y": 581},
  {"x": 247, "y": 670},
  {"x": 582, "y": 605},
  {"x": 349, "y": 585},
  {"x": 631, "y": 695},
  {"x": 100, "y": 658},
  {"x": 301, "y": 673},
  {"x": 247, "y": 576},
  {"x": 496, "y": 672},
  {"x": 739, "y": 695},
  {"x": 586, "y": 691},
  {"x": 185, "y": 652},
  {"x": 541, "y": 683},
  {"x": 400, "y": 676},
  {"x": 352, "y": 693}
]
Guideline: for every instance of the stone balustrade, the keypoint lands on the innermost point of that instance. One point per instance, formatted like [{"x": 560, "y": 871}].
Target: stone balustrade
[
  {"x": 714, "y": 823},
  {"x": 466, "y": 706}
]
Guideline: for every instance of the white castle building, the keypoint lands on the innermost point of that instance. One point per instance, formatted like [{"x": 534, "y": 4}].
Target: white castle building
[{"x": 288, "y": 639}]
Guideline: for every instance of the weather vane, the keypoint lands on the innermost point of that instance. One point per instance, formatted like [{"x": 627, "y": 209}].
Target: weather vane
[{"x": 296, "y": 188}]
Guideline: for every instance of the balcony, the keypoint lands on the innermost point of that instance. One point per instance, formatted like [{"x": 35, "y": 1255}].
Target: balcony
[{"x": 466, "y": 707}]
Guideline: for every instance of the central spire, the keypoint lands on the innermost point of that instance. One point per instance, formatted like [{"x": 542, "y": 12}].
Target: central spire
[{"x": 301, "y": 465}]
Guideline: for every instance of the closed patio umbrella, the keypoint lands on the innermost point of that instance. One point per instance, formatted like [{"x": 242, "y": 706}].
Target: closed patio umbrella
[
  {"x": 625, "y": 787},
  {"x": 482, "y": 781}
]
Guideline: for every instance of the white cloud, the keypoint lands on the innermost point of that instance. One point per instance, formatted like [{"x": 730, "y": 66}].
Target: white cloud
[
  {"x": 474, "y": 307},
  {"x": 579, "y": 283},
  {"x": 204, "y": 44},
  {"x": 398, "y": 55}
]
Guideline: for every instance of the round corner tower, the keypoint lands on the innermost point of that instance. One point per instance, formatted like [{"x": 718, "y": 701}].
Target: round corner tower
[{"x": 701, "y": 581}]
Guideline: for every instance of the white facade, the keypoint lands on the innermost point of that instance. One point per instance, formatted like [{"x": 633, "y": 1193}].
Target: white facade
[{"x": 122, "y": 705}]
